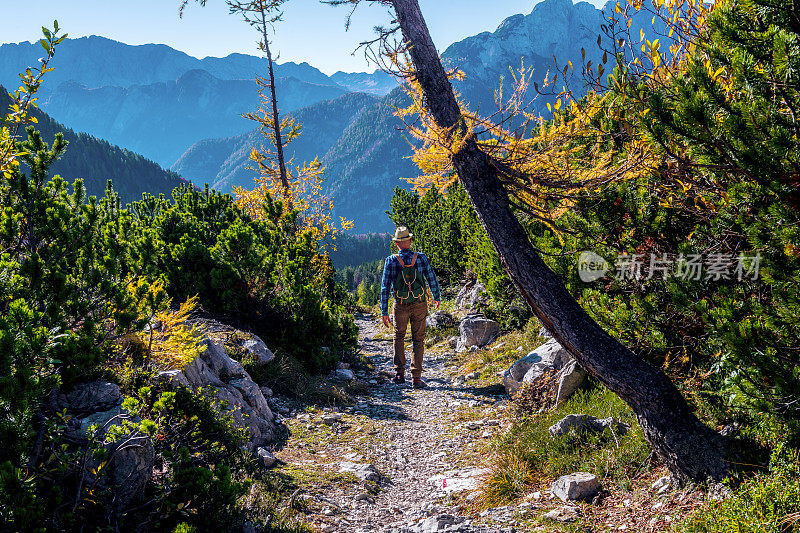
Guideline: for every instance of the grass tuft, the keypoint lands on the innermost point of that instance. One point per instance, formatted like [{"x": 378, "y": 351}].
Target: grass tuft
[{"x": 527, "y": 455}]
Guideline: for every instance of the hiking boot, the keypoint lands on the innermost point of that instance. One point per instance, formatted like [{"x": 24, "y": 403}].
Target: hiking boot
[
  {"x": 399, "y": 378},
  {"x": 419, "y": 384}
]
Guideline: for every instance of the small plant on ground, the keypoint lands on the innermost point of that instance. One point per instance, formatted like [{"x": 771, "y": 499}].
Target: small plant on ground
[{"x": 766, "y": 503}]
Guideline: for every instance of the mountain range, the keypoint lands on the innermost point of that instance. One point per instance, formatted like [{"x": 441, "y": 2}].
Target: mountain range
[
  {"x": 185, "y": 112},
  {"x": 159, "y": 101}
]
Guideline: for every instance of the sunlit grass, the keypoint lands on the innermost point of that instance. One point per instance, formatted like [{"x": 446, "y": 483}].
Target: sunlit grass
[{"x": 527, "y": 455}]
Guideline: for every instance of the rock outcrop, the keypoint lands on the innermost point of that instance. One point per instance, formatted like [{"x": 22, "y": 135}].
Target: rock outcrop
[
  {"x": 476, "y": 330},
  {"x": 258, "y": 349},
  {"x": 226, "y": 379},
  {"x": 541, "y": 361},
  {"x": 471, "y": 296},
  {"x": 586, "y": 423}
]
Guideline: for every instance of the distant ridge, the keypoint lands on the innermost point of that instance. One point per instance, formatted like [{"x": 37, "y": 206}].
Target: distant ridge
[{"x": 98, "y": 61}]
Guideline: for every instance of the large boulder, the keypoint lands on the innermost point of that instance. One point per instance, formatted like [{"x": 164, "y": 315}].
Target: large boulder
[
  {"x": 471, "y": 296},
  {"x": 548, "y": 357},
  {"x": 570, "y": 378},
  {"x": 439, "y": 320},
  {"x": 476, "y": 330},
  {"x": 217, "y": 374}
]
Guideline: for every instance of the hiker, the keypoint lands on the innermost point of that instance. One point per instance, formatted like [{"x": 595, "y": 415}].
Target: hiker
[{"x": 405, "y": 276}]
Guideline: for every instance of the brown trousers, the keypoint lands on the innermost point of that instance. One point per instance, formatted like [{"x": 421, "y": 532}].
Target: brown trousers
[{"x": 402, "y": 314}]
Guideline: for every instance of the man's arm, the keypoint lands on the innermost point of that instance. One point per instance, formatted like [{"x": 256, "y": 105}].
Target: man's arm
[
  {"x": 430, "y": 278},
  {"x": 386, "y": 287}
]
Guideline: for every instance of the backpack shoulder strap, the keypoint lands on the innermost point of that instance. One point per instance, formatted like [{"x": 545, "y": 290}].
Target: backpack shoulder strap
[
  {"x": 414, "y": 259},
  {"x": 400, "y": 260}
]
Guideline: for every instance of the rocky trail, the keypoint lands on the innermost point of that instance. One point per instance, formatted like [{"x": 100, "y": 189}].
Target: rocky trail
[{"x": 401, "y": 459}]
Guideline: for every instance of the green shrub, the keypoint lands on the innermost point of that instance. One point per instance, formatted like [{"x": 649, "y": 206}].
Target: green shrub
[
  {"x": 768, "y": 502},
  {"x": 75, "y": 274},
  {"x": 260, "y": 272}
]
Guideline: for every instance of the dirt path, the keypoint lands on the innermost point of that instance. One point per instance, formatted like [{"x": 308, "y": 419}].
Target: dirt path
[{"x": 401, "y": 459}]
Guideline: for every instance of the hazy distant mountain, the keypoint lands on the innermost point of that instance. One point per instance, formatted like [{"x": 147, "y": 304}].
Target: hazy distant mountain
[
  {"x": 97, "y": 62},
  {"x": 164, "y": 103},
  {"x": 161, "y": 120},
  {"x": 223, "y": 162},
  {"x": 378, "y": 83},
  {"x": 96, "y": 161}
]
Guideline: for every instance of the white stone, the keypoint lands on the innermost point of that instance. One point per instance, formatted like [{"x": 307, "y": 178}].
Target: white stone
[
  {"x": 576, "y": 486},
  {"x": 458, "y": 480},
  {"x": 267, "y": 458},
  {"x": 331, "y": 418},
  {"x": 364, "y": 471},
  {"x": 661, "y": 485},
  {"x": 344, "y": 374},
  {"x": 258, "y": 350},
  {"x": 563, "y": 514}
]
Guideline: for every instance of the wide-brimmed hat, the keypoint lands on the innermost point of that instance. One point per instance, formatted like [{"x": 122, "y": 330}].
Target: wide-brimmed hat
[{"x": 401, "y": 234}]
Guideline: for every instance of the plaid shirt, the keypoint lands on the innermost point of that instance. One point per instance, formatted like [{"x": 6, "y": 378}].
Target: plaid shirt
[{"x": 392, "y": 269}]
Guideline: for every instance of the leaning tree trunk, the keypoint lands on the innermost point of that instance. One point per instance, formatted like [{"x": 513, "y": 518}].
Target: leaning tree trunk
[{"x": 690, "y": 449}]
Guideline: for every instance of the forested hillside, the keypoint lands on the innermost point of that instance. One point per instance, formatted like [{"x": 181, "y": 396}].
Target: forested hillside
[{"x": 96, "y": 161}]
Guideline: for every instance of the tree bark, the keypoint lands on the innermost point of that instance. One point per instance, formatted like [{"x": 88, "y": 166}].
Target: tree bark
[{"x": 690, "y": 449}]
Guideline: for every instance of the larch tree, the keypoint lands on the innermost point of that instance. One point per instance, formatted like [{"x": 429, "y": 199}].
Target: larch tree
[
  {"x": 298, "y": 186},
  {"x": 691, "y": 450}
]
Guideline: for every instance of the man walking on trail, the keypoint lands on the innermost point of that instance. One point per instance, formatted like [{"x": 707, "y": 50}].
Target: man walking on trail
[{"x": 406, "y": 275}]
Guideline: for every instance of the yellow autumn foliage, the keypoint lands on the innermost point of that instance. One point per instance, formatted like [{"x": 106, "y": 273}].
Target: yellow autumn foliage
[
  {"x": 588, "y": 143},
  {"x": 299, "y": 187},
  {"x": 170, "y": 342}
]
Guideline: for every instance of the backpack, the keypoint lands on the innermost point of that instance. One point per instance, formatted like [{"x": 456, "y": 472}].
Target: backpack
[{"x": 409, "y": 287}]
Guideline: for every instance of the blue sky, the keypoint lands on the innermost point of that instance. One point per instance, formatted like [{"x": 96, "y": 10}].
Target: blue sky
[{"x": 310, "y": 31}]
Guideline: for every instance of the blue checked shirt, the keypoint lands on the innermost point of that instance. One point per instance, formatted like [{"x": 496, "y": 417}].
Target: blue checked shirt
[{"x": 392, "y": 269}]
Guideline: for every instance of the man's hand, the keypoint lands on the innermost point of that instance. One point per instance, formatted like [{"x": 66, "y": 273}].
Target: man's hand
[
  {"x": 387, "y": 321},
  {"x": 435, "y": 304}
]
